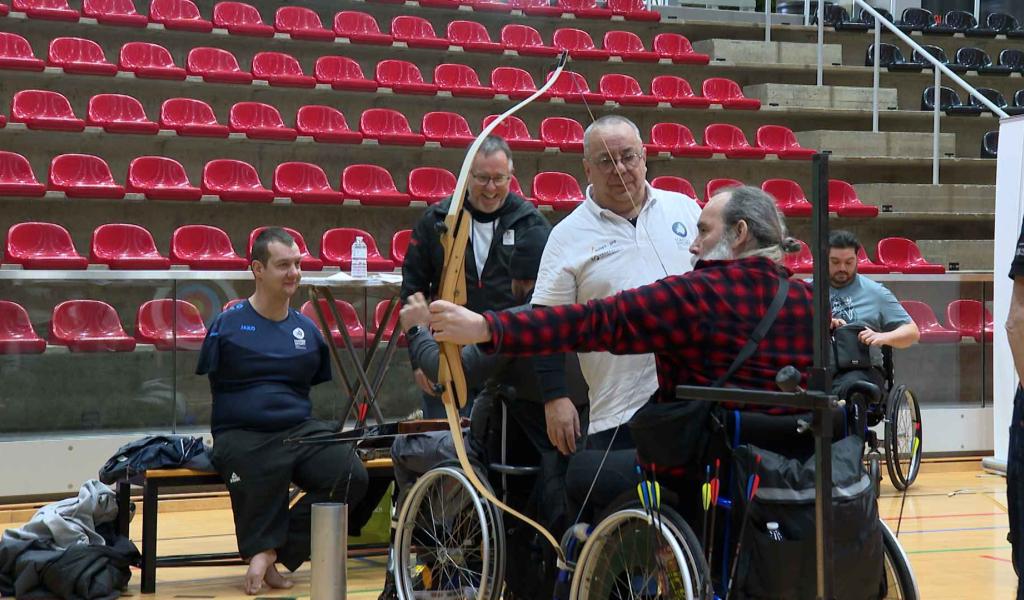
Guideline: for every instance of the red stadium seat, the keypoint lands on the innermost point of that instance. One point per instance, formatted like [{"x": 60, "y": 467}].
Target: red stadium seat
[
  {"x": 843, "y": 200},
  {"x": 325, "y": 124},
  {"x": 560, "y": 191},
  {"x": 563, "y": 133},
  {"x": 117, "y": 113},
  {"x": 970, "y": 318},
  {"x": 39, "y": 109},
  {"x": 867, "y": 266},
  {"x": 308, "y": 262},
  {"x": 42, "y": 246},
  {"x": 526, "y": 41},
  {"x": 403, "y": 77},
  {"x": 501, "y": 6},
  {"x": 160, "y": 178},
  {"x": 388, "y": 127},
  {"x": 216, "y": 65},
  {"x": 628, "y": 46},
  {"x": 205, "y": 248},
  {"x": 573, "y": 87},
  {"x": 4, "y": 10},
  {"x": 513, "y": 82},
  {"x": 342, "y": 73},
  {"x": 400, "y": 245},
  {"x": 799, "y": 262},
  {"x": 278, "y": 68},
  {"x": 585, "y": 8},
  {"x": 781, "y": 141},
  {"x": 191, "y": 117},
  {"x": 234, "y": 181},
  {"x": 336, "y": 250},
  {"x": 453, "y": 4},
  {"x": 472, "y": 37},
  {"x": 178, "y": 14},
  {"x": 674, "y": 184},
  {"x": 388, "y": 329},
  {"x": 430, "y": 184},
  {"x": 170, "y": 324},
  {"x": 149, "y": 61},
  {"x": 903, "y": 256},
  {"x": 17, "y": 178},
  {"x": 53, "y": 10},
  {"x": 16, "y": 53},
  {"x": 447, "y": 128},
  {"x": 372, "y": 185},
  {"x": 625, "y": 90},
  {"x": 240, "y": 18},
  {"x": 677, "y": 48},
  {"x": 713, "y": 186},
  {"x": 932, "y": 332},
  {"x": 114, "y": 12},
  {"x": 460, "y": 80},
  {"x": 360, "y": 28},
  {"x": 676, "y": 139},
  {"x": 259, "y": 121},
  {"x": 88, "y": 326},
  {"x": 355, "y": 329},
  {"x": 677, "y": 92},
  {"x": 416, "y": 32},
  {"x": 633, "y": 10},
  {"x": 517, "y": 189},
  {"x": 514, "y": 131},
  {"x": 789, "y": 197},
  {"x": 16, "y": 333},
  {"x": 83, "y": 176},
  {"x": 125, "y": 246},
  {"x": 579, "y": 44},
  {"x": 727, "y": 92},
  {"x": 537, "y": 8},
  {"x": 730, "y": 141},
  {"x": 301, "y": 23},
  {"x": 304, "y": 183}
]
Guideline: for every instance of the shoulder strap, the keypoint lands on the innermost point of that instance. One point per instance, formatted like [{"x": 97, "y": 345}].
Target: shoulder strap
[{"x": 759, "y": 332}]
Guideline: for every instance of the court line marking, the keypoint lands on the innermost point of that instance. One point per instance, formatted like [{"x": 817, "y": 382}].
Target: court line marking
[
  {"x": 942, "y": 550},
  {"x": 996, "y": 558},
  {"x": 946, "y": 530},
  {"x": 950, "y": 516}
]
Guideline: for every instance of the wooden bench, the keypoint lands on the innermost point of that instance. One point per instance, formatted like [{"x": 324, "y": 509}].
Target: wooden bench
[{"x": 160, "y": 479}]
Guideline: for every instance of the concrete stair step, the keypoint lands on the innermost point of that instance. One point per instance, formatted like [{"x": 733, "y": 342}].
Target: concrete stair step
[
  {"x": 962, "y": 255},
  {"x": 894, "y": 144},
  {"x": 745, "y": 51},
  {"x": 925, "y": 198},
  {"x": 827, "y": 96}
]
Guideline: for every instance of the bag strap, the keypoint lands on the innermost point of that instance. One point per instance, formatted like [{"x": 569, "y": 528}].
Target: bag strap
[{"x": 759, "y": 332}]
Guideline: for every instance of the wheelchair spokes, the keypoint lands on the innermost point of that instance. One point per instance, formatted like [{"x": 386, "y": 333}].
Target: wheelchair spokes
[{"x": 903, "y": 438}]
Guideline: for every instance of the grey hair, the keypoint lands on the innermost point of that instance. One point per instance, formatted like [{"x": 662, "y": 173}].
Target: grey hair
[
  {"x": 765, "y": 223},
  {"x": 608, "y": 121},
  {"x": 493, "y": 144}
]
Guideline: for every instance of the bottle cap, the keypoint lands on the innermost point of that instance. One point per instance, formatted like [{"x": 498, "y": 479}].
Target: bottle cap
[{"x": 772, "y": 525}]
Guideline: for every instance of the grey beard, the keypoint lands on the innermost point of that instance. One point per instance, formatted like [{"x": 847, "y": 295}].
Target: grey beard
[{"x": 721, "y": 251}]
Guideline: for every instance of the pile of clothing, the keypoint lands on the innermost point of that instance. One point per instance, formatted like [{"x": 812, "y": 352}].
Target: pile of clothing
[{"x": 70, "y": 549}]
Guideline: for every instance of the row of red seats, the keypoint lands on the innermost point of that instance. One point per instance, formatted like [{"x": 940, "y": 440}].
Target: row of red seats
[
  {"x": 37, "y": 245},
  {"x": 895, "y": 255},
  {"x": 94, "y": 326},
  {"x": 241, "y": 18},
  {"x": 967, "y": 318},
  {"x": 789, "y": 196}
]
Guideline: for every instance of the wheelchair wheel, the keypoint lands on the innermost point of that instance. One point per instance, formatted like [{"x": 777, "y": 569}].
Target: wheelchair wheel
[
  {"x": 902, "y": 428},
  {"x": 900, "y": 583},
  {"x": 875, "y": 472},
  {"x": 449, "y": 542},
  {"x": 626, "y": 556}
]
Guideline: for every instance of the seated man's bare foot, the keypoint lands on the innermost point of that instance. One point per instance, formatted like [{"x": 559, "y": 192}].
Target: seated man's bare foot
[
  {"x": 276, "y": 580},
  {"x": 259, "y": 565}
]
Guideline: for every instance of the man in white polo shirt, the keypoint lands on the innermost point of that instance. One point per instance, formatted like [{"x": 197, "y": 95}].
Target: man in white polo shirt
[{"x": 625, "y": 234}]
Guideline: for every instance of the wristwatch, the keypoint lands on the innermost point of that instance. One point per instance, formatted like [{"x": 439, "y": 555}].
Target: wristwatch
[{"x": 414, "y": 330}]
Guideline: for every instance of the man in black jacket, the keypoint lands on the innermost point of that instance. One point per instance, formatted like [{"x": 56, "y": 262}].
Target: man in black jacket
[{"x": 502, "y": 221}]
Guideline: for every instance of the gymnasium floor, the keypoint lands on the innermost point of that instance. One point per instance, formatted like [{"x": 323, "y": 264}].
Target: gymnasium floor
[{"x": 954, "y": 530}]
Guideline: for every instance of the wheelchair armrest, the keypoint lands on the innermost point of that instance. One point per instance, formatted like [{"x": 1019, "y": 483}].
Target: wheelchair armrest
[
  {"x": 513, "y": 469},
  {"x": 871, "y": 392}
]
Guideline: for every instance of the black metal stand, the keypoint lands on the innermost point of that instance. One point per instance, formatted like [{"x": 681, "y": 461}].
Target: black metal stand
[{"x": 817, "y": 398}]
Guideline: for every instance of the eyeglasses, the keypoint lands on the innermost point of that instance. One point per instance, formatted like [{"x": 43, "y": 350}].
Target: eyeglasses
[
  {"x": 496, "y": 179},
  {"x": 607, "y": 163}
]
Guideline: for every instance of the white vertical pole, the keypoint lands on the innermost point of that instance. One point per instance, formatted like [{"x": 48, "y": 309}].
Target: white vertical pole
[
  {"x": 821, "y": 42},
  {"x": 977, "y": 10},
  {"x": 935, "y": 127},
  {"x": 767, "y": 22},
  {"x": 877, "y": 76},
  {"x": 892, "y": 10},
  {"x": 807, "y": 12}
]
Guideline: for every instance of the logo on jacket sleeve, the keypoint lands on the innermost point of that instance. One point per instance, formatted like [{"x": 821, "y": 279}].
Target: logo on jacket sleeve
[{"x": 300, "y": 338}]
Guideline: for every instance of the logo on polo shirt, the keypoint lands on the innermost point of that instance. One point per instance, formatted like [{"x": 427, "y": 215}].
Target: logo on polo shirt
[
  {"x": 679, "y": 229},
  {"x": 300, "y": 338},
  {"x": 248, "y": 327}
]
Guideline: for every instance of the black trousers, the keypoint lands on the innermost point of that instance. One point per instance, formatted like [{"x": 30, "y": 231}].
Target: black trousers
[
  {"x": 1015, "y": 488},
  {"x": 258, "y": 466}
]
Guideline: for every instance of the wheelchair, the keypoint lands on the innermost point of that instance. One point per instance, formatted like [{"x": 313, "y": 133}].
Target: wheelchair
[{"x": 637, "y": 551}]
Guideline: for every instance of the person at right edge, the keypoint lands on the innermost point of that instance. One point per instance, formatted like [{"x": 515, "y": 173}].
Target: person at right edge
[{"x": 1015, "y": 453}]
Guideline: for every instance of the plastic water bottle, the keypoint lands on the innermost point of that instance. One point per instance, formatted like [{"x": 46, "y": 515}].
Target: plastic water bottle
[
  {"x": 773, "y": 532},
  {"x": 359, "y": 258}
]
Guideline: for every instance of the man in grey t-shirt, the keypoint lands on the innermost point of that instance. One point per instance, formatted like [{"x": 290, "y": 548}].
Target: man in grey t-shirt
[{"x": 858, "y": 300}]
